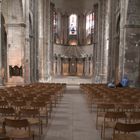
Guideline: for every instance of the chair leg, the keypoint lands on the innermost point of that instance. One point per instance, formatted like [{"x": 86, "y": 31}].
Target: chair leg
[
  {"x": 97, "y": 122},
  {"x": 33, "y": 136}
]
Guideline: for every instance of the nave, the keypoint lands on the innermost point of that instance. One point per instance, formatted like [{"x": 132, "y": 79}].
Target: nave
[{"x": 72, "y": 119}]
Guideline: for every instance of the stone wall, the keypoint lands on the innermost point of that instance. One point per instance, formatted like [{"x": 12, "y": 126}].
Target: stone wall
[
  {"x": 13, "y": 15},
  {"x": 59, "y": 49},
  {"x": 132, "y": 43}
]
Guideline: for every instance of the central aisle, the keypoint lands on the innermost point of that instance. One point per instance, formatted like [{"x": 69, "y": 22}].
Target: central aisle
[{"x": 72, "y": 119}]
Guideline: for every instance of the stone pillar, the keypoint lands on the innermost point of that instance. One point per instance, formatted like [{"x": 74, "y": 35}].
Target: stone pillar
[
  {"x": 44, "y": 42},
  {"x": 84, "y": 31},
  {"x": 59, "y": 65},
  {"x": 86, "y": 66},
  {"x": 0, "y": 46},
  {"x": 66, "y": 27},
  {"x": 27, "y": 75},
  {"x": 59, "y": 22},
  {"x": 106, "y": 27},
  {"x": 49, "y": 33},
  {"x": 81, "y": 26},
  {"x": 49, "y": 40},
  {"x": 55, "y": 67},
  {"x": 40, "y": 40},
  {"x": 130, "y": 41},
  {"x": 102, "y": 38},
  {"x": 61, "y": 28},
  {"x": 91, "y": 66}
]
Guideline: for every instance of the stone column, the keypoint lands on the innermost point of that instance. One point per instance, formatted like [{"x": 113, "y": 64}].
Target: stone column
[
  {"x": 65, "y": 31},
  {"x": 59, "y": 65},
  {"x": 91, "y": 66},
  {"x": 106, "y": 27},
  {"x": 27, "y": 75},
  {"x": 81, "y": 24},
  {"x": 44, "y": 41},
  {"x": 62, "y": 29},
  {"x": 84, "y": 31},
  {"x": 48, "y": 40},
  {"x": 0, "y": 46},
  {"x": 130, "y": 41},
  {"x": 40, "y": 40},
  {"x": 55, "y": 67},
  {"x": 49, "y": 37},
  {"x": 88, "y": 66}
]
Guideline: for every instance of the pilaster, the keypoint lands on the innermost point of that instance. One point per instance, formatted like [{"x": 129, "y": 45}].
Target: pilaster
[{"x": 1, "y": 72}]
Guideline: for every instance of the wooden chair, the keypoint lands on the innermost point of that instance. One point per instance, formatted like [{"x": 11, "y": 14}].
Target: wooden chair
[
  {"x": 101, "y": 110},
  {"x": 19, "y": 105},
  {"x": 47, "y": 99},
  {"x": 18, "y": 129},
  {"x": 33, "y": 117},
  {"x": 124, "y": 131},
  {"x": 42, "y": 107},
  {"x": 7, "y": 113},
  {"x": 3, "y": 104},
  {"x": 110, "y": 120},
  {"x": 127, "y": 107},
  {"x": 135, "y": 117},
  {"x": 4, "y": 138}
]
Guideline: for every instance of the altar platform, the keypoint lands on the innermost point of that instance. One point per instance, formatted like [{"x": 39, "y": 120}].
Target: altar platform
[{"x": 71, "y": 80}]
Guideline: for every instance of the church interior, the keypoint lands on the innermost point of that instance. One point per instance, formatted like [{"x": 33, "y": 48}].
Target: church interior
[{"x": 57, "y": 59}]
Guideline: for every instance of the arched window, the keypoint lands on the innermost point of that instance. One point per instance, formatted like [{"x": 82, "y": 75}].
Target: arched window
[
  {"x": 89, "y": 24},
  {"x": 55, "y": 18},
  {"x": 73, "y": 24}
]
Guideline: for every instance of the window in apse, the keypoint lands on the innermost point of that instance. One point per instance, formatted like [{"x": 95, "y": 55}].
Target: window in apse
[{"x": 73, "y": 24}]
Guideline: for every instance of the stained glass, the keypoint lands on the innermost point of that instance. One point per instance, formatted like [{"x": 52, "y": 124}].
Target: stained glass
[{"x": 73, "y": 24}]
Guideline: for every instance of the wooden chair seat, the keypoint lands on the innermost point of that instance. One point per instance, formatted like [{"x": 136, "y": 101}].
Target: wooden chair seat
[
  {"x": 33, "y": 121},
  {"x": 3, "y": 137},
  {"x": 18, "y": 129},
  {"x": 126, "y": 137},
  {"x": 6, "y": 117},
  {"x": 18, "y": 133},
  {"x": 123, "y": 131},
  {"x": 110, "y": 120},
  {"x": 33, "y": 117},
  {"x": 109, "y": 124}
]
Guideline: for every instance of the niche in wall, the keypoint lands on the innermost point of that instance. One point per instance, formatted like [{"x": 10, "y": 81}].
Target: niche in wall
[{"x": 15, "y": 71}]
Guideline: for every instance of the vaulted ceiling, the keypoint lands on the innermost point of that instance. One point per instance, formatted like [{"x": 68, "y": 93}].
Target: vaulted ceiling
[{"x": 74, "y": 5}]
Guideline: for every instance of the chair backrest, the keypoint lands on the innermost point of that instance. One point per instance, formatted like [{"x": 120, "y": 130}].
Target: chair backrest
[
  {"x": 17, "y": 123},
  {"x": 29, "y": 113},
  {"x": 105, "y": 107},
  {"x": 19, "y": 104},
  {"x": 7, "y": 111},
  {"x": 4, "y": 138},
  {"x": 38, "y": 105},
  {"x": 127, "y": 128},
  {"x": 135, "y": 116},
  {"x": 115, "y": 115},
  {"x": 3, "y": 104},
  {"x": 127, "y": 107}
]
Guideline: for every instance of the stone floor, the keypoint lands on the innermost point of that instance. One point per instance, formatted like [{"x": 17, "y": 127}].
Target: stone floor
[{"x": 72, "y": 119}]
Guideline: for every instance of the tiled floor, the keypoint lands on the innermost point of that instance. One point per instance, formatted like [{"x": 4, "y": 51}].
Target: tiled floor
[{"x": 72, "y": 119}]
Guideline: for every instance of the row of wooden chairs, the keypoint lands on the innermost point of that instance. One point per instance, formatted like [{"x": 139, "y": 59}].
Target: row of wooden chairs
[
  {"x": 112, "y": 118},
  {"x": 114, "y": 107},
  {"x": 26, "y": 107}
]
